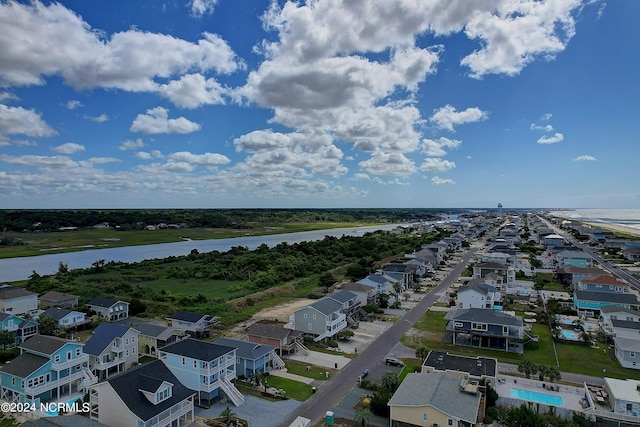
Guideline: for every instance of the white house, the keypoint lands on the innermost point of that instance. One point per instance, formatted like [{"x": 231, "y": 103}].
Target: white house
[{"x": 15, "y": 300}]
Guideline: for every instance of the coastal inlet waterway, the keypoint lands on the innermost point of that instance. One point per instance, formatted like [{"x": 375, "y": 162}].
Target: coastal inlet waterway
[{"x": 13, "y": 269}]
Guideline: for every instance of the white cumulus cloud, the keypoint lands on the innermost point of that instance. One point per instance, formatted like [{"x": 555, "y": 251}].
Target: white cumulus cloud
[
  {"x": 447, "y": 117},
  {"x": 436, "y": 148},
  {"x": 439, "y": 181},
  {"x": 202, "y": 7},
  {"x": 131, "y": 145},
  {"x": 17, "y": 120},
  {"x": 157, "y": 120},
  {"x": 68, "y": 148},
  {"x": 584, "y": 157},
  {"x": 557, "y": 137},
  {"x": 437, "y": 165}
]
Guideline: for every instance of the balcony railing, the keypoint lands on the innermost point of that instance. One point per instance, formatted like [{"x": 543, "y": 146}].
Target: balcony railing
[
  {"x": 81, "y": 360},
  {"x": 50, "y": 385}
]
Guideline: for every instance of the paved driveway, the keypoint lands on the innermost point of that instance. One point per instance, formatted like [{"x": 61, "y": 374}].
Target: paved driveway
[{"x": 259, "y": 412}]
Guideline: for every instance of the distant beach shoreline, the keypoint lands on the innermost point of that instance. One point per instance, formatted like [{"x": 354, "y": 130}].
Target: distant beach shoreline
[{"x": 616, "y": 228}]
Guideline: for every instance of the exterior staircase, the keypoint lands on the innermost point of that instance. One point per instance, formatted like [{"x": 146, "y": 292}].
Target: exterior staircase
[
  {"x": 530, "y": 337},
  {"x": 302, "y": 349},
  {"x": 354, "y": 324},
  {"x": 88, "y": 378},
  {"x": 278, "y": 363},
  {"x": 231, "y": 391}
]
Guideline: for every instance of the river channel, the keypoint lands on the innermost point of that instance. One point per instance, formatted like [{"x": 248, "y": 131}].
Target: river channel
[{"x": 12, "y": 269}]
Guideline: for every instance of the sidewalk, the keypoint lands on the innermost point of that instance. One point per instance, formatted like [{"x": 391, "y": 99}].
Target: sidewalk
[
  {"x": 282, "y": 373},
  {"x": 321, "y": 359}
]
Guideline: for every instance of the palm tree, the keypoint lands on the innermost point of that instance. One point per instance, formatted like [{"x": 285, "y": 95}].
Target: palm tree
[
  {"x": 390, "y": 381},
  {"x": 227, "y": 414},
  {"x": 543, "y": 371},
  {"x": 553, "y": 373},
  {"x": 362, "y": 416},
  {"x": 422, "y": 353},
  {"x": 528, "y": 368}
]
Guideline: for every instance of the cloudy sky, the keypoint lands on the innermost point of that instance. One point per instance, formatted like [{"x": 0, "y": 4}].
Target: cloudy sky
[{"x": 323, "y": 103}]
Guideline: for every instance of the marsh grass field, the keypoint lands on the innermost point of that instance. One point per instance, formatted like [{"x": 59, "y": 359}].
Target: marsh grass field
[{"x": 41, "y": 243}]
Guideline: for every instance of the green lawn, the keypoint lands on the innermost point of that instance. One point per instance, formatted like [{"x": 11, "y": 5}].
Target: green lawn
[
  {"x": 300, "y": 368},
  {"x": 293, "y": 389},
  {"x": 575, "y": 358}
]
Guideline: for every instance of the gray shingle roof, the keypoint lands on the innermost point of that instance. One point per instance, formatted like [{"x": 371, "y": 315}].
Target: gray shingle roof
[
  {"x": 57, "y": 296},
  {"x": 245, "y": 349},
  {"x": 440, "y": 390},
  {"x": 483, "y": 288},
  {"x": 271, "y": 330},
  {"x": 342, "y": 296},
  {"x": 484, "y": 315},
  {"x": 491, "y": 264},
  {"x": 612, "y": 297},
  {"x": 24, "y": 365},
  {"x": 357, "y": 287},
  {"x": 326, "y": 306},
  {"x": 475, "y": 366},
  {"x": 55, "y": 313},
  {"x": 187, "y": 316},
  {"x": 102, "y": 302},
  {"x": 128, "y": 384},
  {"x": 616, "y": 309},
  {"x": 196, "y": 349},
  {"x": 626, "y": 324},
  {"x": 10, "y": 292},
  {"x": 44, "y": 344}
]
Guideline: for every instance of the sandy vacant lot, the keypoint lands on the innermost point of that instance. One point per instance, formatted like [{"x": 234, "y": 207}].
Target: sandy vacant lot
[{"x": 280, "y": 312}]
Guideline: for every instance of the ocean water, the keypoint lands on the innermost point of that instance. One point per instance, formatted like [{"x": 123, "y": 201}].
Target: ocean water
[{"x": 623, "y": 217}]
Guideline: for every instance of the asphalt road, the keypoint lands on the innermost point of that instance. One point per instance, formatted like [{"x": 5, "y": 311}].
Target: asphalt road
[
  {"x": 328, "y": 396},
  {"x": 616, "y": 271}
]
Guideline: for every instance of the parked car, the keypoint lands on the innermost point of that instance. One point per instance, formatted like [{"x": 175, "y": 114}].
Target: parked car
[{"x": 393, "y": 361}]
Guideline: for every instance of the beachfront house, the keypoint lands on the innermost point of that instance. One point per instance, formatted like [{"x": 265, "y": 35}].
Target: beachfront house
[
  {"x": 152, "y": 337},
  {"x": 612, "y": 312},
  {"x": 322, "y": 319},
  {"x": 58, "y": 299},
  {"x": 46, "y": 369},
  {"x": 476, "y": 368},
  {"x": 482, "y": 269},
  {"x": 195, "y": 324},
  {"x": 204, "y": 367},
  {"x": 591, "y": 302},
  {"x": 252, "y": 358},
  {"x": 492, "y": 329},
  {"x": 18, "y": 301},
  {"x": 365, "y": 294},
  {"x": 477, "y": 294},
  {"x": 109, "y": 309},
  {"x": 603, "y": 283},
  {"x": 112, "y": 349},
  {"x": 65, "y": 318},
  {"x": 21, "y": 328},
  {"x": 436, "y": 399},
  {"x": 623, "y": 396},
  {"x": 146, "y": 396},
  {"x": 274, "y": 333},
  {"x": 627, "y": 351}
]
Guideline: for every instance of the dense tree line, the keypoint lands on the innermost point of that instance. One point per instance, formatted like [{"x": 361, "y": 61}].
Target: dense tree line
[
  {"x": 246, "y": 271},
  {"x": 51, "y": 220}
]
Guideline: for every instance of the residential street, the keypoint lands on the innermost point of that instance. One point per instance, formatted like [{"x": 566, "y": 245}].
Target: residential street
[{"x": 333, "y": 391}]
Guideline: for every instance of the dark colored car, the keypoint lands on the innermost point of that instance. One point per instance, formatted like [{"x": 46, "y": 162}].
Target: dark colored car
[{"x": 393, "y": 361}]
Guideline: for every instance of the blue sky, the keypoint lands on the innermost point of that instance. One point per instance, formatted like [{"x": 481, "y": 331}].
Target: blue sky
[{"x": 324, "y": 103}]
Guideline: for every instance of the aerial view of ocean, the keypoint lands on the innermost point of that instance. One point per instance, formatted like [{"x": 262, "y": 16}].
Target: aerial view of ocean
[{"x": 622, "y": 217}]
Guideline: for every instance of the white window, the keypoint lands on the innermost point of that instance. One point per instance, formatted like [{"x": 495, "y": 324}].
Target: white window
[
  {"x": 133, "y": 339},
  {"x": 57, "y": 358},
  {"x": 310, "y": 326},
  {"x": 126, "y": 341},
  {"x": 126, "y": 353},
  {"x": 77, "y": 352},
  {"x": 184, "y": 361},
  {"x": 449, "y": 422},
  {"x": 633, "y": 354},
  {"x": 425, "y": 416},
  {"x": 133, "y": 350},
  {"x": 314, "y": 317},
  {"x": 305, "y": 315}
]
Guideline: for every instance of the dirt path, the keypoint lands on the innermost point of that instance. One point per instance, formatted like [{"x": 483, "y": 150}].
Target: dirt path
[{"x": 279, "y": 312}]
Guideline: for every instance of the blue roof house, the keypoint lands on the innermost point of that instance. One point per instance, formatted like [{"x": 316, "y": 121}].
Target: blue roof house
[
  {"x": 203, "y": 367},
  {"x": 252, "y": 358},
  {"x": 112, "y": 349},
  {"x": 47, "y": 368}
]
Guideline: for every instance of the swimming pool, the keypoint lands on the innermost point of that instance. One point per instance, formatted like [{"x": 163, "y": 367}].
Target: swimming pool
[
  {"x": 533, "y": 396},
  {"x": 54, "y": 411},
  {"x": 568, "y": 335}
]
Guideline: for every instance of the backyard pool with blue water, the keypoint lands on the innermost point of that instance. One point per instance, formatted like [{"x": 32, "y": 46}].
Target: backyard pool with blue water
[{"x": 534, "y": 396}]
